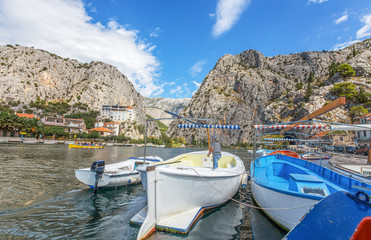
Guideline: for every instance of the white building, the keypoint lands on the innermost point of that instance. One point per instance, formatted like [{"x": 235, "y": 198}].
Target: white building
[
  {"x": 364, "y": 135},
  {"x": 112, "y": 126},
  {"x": 118, "y": 113}
]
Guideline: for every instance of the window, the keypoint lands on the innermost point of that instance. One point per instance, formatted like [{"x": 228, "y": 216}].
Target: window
[
  {"x": 341, "y": 139},
  {"x": 364, "y": 133}
]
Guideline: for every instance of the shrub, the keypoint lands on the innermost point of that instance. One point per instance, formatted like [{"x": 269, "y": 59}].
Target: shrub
[
  {"x": 345, "y": 89},
  {"x": 357, "y": 111},
  {"x": 346, "y": 70}
]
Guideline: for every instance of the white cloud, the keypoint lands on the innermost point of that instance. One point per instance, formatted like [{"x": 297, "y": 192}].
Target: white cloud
[
  {"x": 343, "y": 45},
  {"x": 172, "y": 83},
  {"x": 177, "y": 90},
  {"x": 197, "y": 84},
  {"x": 365, "y": 31},
  {"x": 155, "y": 32},
  {"x": 64, "y": 27},
  {"x": 316, "y": 1},
  {"x": 342, "y": 18},
  {"x": 197, "y": 67},
  {"x": 228, "y": 12}
]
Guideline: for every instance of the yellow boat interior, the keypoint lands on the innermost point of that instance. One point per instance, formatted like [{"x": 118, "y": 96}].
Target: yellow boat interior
[{"x": 201, "y": 160}]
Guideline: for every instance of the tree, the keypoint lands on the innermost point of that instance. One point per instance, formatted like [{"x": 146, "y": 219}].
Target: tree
[
  {"x": 333, "y": 68},
  {"x": 308, "y": 92},
  {"x": 346, "y": 70},
  {"x": 354, "y": 51},
  {"x": 357, "y": 111},
  {"x": 345, "y": 89},
  {"x": 93, "y": 135},
  {"x": 363, "y": 96},
  {"x": 299, "y": 85},
  {"x": 311, "y": 77},
  {"x": 55, "y": 131}
]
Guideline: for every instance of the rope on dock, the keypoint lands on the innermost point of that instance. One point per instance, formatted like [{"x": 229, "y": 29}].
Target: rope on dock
[{"x": 249, "y": 205}]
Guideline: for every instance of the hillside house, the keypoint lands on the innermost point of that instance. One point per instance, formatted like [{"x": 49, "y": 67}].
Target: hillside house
[
  {"x": 70, "y": 125},
  {"x": 113, "y": 126},
  {"x": 102, "y": 131}
]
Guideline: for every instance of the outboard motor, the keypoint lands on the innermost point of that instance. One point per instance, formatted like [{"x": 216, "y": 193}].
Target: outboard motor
[{"x": 98, "y": 168}]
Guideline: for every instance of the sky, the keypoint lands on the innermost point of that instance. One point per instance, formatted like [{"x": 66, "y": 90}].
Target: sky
[{"x": 167, "y": 47}]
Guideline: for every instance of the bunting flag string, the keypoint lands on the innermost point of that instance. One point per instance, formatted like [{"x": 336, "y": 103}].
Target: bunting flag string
[
  {"x": 261, "y": 127},
  {"x": 281, "y": 139},
  {"x": 209, "y": 126}
]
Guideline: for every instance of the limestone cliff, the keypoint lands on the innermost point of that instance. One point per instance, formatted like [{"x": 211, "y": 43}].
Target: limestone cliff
[
  {"x": 249, "y": 88},
  {"x": 27, "y": 74},
  {"x": 157, "y": 105}
]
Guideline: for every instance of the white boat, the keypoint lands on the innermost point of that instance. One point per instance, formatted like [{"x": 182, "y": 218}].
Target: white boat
[
  {"x": 180, "y": 189},
  {"x": 114, "y": 175},
  {"x": 30, "y": 141},
  {"x": 263, "y": 152},
  {"x": 50, "y": 142},
  {"x": 314, "y": 156}
]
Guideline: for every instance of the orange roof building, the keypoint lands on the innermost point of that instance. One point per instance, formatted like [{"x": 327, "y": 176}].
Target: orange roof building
[
  {"x": 26, "y": 115},
  {"x": 102, "y": 130}
]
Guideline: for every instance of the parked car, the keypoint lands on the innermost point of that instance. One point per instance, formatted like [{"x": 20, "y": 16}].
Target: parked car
[
  {"x": 362, "y": 150},
  {"x": 339, "y": 149},
  {"x": 350, "y": 149},
  {"x": 326, "y": 148}
]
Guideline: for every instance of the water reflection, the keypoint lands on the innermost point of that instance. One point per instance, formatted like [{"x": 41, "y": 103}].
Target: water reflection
[{"x": 41, "y": 199}]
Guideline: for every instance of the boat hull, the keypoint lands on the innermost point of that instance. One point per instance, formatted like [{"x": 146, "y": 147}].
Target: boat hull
[
  {"x": 178, "y": 196},
  {"x": 270, "y": 199},
  {"x": 88, "y": 177},
  {"x": 291, "y": 186},
  {"x": 116, "y": 174},
  {"x": 83, "y": 146}
]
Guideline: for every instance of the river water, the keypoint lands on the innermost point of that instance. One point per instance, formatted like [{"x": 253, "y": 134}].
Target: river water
[{"x": 40, "y": 198}]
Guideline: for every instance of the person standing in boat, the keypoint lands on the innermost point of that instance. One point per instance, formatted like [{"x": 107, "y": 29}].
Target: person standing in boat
[{"x": 216, "y": 149}]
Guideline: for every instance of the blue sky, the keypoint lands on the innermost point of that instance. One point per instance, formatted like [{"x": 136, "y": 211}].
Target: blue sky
[{"x": 167, "y": 47}]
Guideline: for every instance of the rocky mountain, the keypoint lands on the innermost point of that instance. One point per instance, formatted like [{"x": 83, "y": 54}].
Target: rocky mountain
[
  {"x": 28, "y": 74},
  {"x": 171, "y": 104},
  {"x": 157, "y": 105},
  {"x": 249, "y": 88}
]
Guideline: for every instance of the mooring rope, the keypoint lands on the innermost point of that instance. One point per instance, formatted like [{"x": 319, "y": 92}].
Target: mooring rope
[{"x": 249, "y": 205}]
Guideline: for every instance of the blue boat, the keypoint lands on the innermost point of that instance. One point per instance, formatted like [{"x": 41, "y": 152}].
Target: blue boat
[
  {"x": 335, "y": 217},
  {"x": 287, "y": 187}
]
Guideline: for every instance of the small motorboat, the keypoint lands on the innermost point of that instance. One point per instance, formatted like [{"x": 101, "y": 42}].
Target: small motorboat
[
  {"x": 113, "y": 175},
  {"x": 50, "y": 142},
  {"x": 180, "y": 189},
  {"x": 314, "y": 156},
  {"x": 326, "y": 221},
  {"x": 285, "y": 152},
  {"x": 262, "y": 152},
  {"x": 93, "y": 146}
]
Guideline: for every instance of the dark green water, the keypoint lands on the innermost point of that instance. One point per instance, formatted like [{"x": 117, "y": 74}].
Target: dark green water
[{"x": 41, "y": 198}]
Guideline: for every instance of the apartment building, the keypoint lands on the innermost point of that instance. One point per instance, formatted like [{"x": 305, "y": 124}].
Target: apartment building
[{"x": 118, "y": 113}]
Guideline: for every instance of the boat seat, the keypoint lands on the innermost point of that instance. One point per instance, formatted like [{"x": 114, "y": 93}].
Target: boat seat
[{"x": 308, "y": 184}]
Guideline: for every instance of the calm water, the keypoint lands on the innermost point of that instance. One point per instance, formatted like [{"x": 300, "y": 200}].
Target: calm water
[{"x": 41, "y": 199}]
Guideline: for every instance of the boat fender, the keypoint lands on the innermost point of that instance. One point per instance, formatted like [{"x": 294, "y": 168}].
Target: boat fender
[
  {"x": 132, "y": 180},
  {"x": 244, "y": 180},
  {"x": 364, "y": 197}
]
